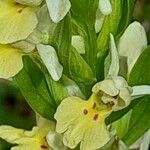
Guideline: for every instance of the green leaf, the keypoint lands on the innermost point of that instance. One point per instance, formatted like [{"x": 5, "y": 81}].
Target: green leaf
[
  {"x": 122, "y": 125},
  {"x": 83, "y": 13},
  {"x": 127, "y": 14},
  {"x": 140, "y": 74},
  {"x": 33, "y": 86},
  {"x": 80, "y": 71},
  {"x": 57, "y": 89},
  {"x": 62, "y": 42},
  {"x": 110, "y": 25},
  {"x": 139, "y": 122}
]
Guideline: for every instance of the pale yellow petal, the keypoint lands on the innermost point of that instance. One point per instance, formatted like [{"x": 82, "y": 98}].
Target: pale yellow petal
[
  {"x": 29, "y": 2},
  {"x": 29, "y": 146},
  {"x": 74, "y": 134},
  {"x": 16, "y": 21},
  {"x": 95, "y": 136},
  {"x": 10, "y": 134},
  {"x": 31, "y": 133},
  {"x": 10, "y": 61},
  {"x": 67, "y": 112}
]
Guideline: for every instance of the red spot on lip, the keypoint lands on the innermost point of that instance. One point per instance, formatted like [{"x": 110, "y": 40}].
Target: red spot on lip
[
  {"x": 95, "y": 117},
  {"x": 20, "y": 10},
  {"x": 85, "y": 111},
  {"x": 94, "y": 106},
  {"x": 44, "y": 147}
]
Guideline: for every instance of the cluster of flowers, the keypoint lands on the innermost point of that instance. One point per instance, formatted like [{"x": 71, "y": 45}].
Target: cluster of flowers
[{"x": 24, "y": 30}]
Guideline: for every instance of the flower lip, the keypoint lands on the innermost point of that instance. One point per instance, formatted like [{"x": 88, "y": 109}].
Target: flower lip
[{"x": 82, "y": 121}]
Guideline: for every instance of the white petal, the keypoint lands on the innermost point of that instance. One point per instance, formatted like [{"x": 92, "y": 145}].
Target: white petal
[
  {"x": 105, "y": 7},
  {"x": 145, "y": 141},
  {"x": 107, "y": 86},
  {"x": 78, "y": 43},
  {"x": 58, "y": 9},
  {"x": 55, "y": 140},
  {"x": 99, "y": 21},
  {"x": 72, "y": 87},
  {"x": 24, "y": 46},
  {"x": 142, "y": 143},
  {"x": 50, "y": 59},
  {"x": 120, "y": 82},
  {"x": 140, "y": 90},
  {"x": 114, "y": 67},
  {"x": 132, "y": 43},
  {"x": 45, "y": 25}
]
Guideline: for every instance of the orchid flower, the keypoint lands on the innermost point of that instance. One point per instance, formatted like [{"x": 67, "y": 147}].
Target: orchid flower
[
  {"x": 35, "y": 139},
  {"x": 41, "y": 137},
  {"x": 83, "y": 121}
]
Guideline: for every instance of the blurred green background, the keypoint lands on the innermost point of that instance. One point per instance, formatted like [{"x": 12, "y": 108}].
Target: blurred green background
[
  {"x": 13, "y": 108},
  {"x": 142, "y": 14}
]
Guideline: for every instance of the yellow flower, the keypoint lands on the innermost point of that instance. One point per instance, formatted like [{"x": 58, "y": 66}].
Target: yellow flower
[
  {"x": 10, "y": 61},
  {"x": 31, "y": 140},
  {"x": 42, "y": 137},
  {"x": 26, "y": 140},
  {"x": 83, "y": 121},
  {"x": 16, "y": 21}
]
